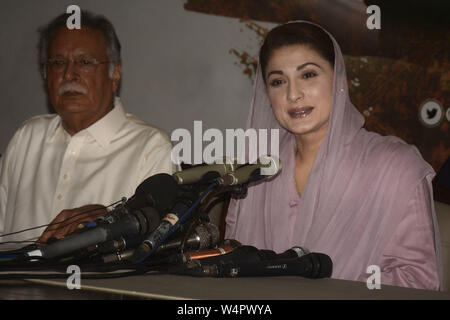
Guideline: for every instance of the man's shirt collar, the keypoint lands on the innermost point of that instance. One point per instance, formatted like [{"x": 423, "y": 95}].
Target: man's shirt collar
[{"x": 103, "y": 130}]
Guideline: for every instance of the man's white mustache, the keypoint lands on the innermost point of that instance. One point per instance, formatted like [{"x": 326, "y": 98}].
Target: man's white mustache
[{"x": 72, "y": 87}]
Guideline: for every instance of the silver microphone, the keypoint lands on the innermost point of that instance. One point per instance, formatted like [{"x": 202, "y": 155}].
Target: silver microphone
[
  {"x": 195, "y": 174},
  {"x": 266, "y": 167},
  {"x": 205, "y": 236}
]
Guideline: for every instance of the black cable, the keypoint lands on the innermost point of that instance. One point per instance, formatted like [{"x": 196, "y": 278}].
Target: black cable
[{"x": 109, "y": 272}]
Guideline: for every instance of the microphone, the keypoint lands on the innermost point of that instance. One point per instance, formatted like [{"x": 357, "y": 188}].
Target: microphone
[
  {"x": 118, "y": 256},
  {"x": 266, "y": 255},
  {"x": 205, "y": 235},
  {"x": 242, "y": 253},
  {"x": 205, "y": 173},
  {"x": 213, "y": 265},
  {"x": 226, "y": 247},
  {"x": 312, "y": 265},
  {"x": 140, "y": 222},
  {"x": 184, "y": 205},
  {"x": 294, "y": 252},
  {"x": 120, "y": 244},
  {"x": 252, "y": 254},
  {"x": 266, "y": 167},
  {"x": 155, "y": 238},
  {"x": 158, "y": 191},
  {"x": 151, "y": 187}
]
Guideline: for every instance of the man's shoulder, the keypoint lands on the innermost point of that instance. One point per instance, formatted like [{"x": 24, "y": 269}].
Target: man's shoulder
[
  {"x": 33, "y": 130},
  {"x": 38, "y": 125},
  {"x": 39, "y": 121},
  {"x": 142, "y": 128}
]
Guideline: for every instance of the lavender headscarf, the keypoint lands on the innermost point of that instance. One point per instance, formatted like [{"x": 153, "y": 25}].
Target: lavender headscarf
[{"x": 355, "y": 197}]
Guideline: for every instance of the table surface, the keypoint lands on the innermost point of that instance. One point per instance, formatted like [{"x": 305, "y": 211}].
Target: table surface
[{"x": 186, "y": 287}]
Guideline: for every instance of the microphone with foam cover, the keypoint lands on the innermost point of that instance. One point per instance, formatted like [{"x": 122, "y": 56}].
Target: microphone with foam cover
[{"x": 158, "y": 191}]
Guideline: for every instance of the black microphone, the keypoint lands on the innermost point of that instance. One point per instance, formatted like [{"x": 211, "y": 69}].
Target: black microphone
[
  {"x": 139, "y": 222},
  {"x": 312, "y": 265},
  {"x": 158, "y": 191},
  {"x": 266, "y": 167},
  {"x": 246, "y": 253},
  {"x": 294, "y": 252}
]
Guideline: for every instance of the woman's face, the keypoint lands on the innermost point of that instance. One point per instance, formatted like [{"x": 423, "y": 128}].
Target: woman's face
[{"x": 300, "y": 88}]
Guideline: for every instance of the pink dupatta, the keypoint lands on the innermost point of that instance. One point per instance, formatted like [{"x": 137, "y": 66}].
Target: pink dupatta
[{"x": 355, "y": 197}]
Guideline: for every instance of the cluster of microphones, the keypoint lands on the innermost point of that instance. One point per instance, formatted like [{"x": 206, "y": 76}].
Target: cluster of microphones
[{"x": 165, "y": 223}]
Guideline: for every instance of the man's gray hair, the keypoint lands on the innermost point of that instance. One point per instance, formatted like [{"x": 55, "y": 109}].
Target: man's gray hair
[{"x": 88, "y": 20}]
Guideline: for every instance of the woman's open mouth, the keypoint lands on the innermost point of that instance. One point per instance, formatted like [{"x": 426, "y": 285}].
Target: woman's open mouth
[{"x": 299, "y": 113}]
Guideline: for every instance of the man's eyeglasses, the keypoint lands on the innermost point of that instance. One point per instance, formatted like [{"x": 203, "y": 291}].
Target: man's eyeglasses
[{"x": 83, "y": 65}]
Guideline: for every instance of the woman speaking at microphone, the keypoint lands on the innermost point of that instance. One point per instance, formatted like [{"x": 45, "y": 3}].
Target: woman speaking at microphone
[{"x": 359, "y": 197}]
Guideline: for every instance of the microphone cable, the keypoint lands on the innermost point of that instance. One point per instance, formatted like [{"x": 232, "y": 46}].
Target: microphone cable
[{"x": 52, "y": 224}]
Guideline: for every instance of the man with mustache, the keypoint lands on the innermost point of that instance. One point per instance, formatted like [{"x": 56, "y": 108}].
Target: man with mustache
[{"x": 88, "y": 155}]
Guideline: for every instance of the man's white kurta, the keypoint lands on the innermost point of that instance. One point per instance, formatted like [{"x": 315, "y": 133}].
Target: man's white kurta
[{"x": 45, "y": 170}]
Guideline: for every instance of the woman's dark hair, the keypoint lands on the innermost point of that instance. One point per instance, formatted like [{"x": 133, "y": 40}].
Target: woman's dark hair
[{"x": 295, "y": 33}]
